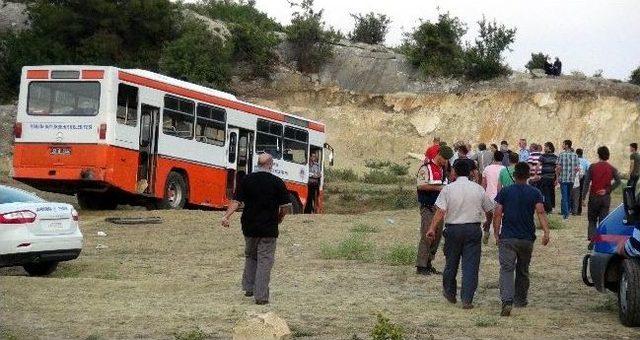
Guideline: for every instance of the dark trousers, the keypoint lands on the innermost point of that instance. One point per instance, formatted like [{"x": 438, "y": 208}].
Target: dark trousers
[
  {"x": 462, "y": 241},
  {"x": 632, "y": 182},
  {"x": 514, "y": 256},
  {"x": 548, "y": 186},
  {"x": 577, "y": 198},
  {"x": 312, "y": 196},
  {"x": 598, "y": 209},
  {"x": 427, "y": 249},
  {"x": 259, "y": 255}
]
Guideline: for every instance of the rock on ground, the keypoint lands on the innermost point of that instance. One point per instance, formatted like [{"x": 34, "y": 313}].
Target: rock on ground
[{"x": 268, "y": 326}]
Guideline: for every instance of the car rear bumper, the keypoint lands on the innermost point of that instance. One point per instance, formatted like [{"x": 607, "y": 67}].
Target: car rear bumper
[{"x": 19, "y": 259}]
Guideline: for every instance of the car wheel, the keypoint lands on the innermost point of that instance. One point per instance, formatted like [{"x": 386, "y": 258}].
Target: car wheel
[
  {"x": 629, "y": 293},
  {"x": 175, "y": 192},
  {"x": 296, "y": 206},
  {"x": 41, "y": 268}
]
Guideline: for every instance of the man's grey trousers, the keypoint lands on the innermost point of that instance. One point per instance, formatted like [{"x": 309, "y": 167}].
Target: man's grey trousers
[
  {"x": 462, "y": 241},
  {"x": 259, "y": 257},
  {"x": 514, "y": 255}
]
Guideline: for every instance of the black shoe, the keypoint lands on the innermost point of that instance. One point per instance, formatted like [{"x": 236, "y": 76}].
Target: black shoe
[
  {"x": 467, "y": 305},
  {"x": 262, "y": 302},
  {"x": 451, "y": 299},
  {"x": 248, "y": 294},
  {"x": 506, "y": 309},
  {"x": 423, "y": 271},
  {"x": 433, "y": 271}
]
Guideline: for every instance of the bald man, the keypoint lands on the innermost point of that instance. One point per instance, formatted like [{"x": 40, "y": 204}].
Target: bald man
[{"x": 266, "y": 202}]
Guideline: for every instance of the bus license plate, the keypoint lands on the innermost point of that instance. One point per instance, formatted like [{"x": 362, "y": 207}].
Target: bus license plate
[{"x": 58, "y": 151}]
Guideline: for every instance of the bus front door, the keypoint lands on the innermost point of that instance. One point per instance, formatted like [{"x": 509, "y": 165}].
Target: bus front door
[
  {"x": 232, "y": 160},
  {"x": 148, "y": 149}
]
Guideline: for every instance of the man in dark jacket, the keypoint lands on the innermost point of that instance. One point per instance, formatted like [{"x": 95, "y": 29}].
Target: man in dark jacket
[
  {"x": 266, "y": 202},
  {"x": 548, "y": 162}
]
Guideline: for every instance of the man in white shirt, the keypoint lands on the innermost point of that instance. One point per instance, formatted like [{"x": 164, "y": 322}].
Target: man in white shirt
[{"x": 463, "y": 205}]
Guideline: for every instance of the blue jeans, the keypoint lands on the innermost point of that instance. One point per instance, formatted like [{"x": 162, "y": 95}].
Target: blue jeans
[{"x": 565, "y": 190}]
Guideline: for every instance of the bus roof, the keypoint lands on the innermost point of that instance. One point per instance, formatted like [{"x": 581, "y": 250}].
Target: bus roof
[{"x": 193, "y": 91}]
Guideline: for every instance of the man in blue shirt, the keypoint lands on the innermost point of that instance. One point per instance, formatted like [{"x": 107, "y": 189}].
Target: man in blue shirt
[
  {"x": 515, "y": 232},
  {"x": 523, "y": 153}
]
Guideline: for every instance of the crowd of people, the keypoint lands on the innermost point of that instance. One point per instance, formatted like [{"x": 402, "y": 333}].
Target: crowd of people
[{"x": 462, "y": 194}]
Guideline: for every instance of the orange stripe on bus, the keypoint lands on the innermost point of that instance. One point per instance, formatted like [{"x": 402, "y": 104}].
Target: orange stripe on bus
[
  {"x": 173, "y": 89},
  {"x": 92, "y": 74},
  {"x": 38, "y": 74}
]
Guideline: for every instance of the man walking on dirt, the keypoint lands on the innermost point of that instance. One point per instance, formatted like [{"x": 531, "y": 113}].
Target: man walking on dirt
[
  {"x": 634, "y": 167},
  {"x": 266, "y": 202},
  {"x": 597, "y": 181},
  {"x": 515, "y": 232},
  {"x": 566, "y": 171},
  {"x": 430, "y": 180},
  {"x": 462, "y": 205}
]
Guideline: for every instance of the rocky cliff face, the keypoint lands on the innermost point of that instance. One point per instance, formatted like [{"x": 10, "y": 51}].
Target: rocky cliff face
[{"x": 12, "y": 16}]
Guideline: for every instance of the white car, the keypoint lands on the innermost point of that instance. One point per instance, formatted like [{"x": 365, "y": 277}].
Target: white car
[{"x": 36, "y": 234}]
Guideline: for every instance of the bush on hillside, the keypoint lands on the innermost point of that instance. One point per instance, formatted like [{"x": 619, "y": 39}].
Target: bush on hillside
[
  {"x": 122, "y": 33},
  {"x": 386, "y": 330},
  {"x": 635, "y": 77},
  {"x": 310, "y": 40},
  {"x": 483, "y": 60},
  {"x": 254, "y": 40},
  {"x": 537, "y": 61},
  {"x": 435, "y": 47},
  {"x": 370, "y": 28},
  {"x": 198, "y": 56}
]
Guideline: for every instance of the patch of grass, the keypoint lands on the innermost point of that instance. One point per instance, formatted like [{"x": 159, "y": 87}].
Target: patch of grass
[
  {"x": 93, "y": 337},
  {"x": 555, "y": 223},
  {"x": 401, "y": 255},
  {"x": 377, "y": 176},
  {"x": 6, "y": 334},
  {"x": 355, "y": 247},
  {"x": 376, "y": 164},
  {"x": 299, "y": 332},
  {"x": 386, "y": 330},
  {"x": 486, "y": 321},
  {"x": 196, "y": 334},
  {"x": 69, "y": 270},
  {"x": 607, "y": 306},
  {"x": 346, "y": 175},
  {"x": 364, "y": 228}
]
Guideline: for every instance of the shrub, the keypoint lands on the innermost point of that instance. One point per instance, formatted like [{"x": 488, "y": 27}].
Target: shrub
[
  {"x": 401, "y": 255},
  {"x": 435, "y": 47},
  {"x": 310, "y": 41},
  {"x": 537, "y": 61},
  {"x": 399, "y": 170},
  {"x": 355, "y": 247},
  {"x": 377, "y": 176},
  {"x": 254, "y": 40},
  {"x": 347, "y": 175},
  {"x": 376, "y": 164},
  {"x": 635, "y": 77},
  {"x": 386, "y": 330},
  {"x": 554, "y": 222},
  {"x": 198, "y": 56},
  {"x": 483, "y": 60},
  {"x": 370, "y": 28},
  {"x": 196, "y": 334}
]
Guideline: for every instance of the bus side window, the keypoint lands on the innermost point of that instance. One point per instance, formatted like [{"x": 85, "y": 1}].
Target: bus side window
[
  {"x": 178, "y": 117},
  {"x": 296, "y": 143},
  {"x": 127, "y": 113},
  {"x": 269, "y": 138}
]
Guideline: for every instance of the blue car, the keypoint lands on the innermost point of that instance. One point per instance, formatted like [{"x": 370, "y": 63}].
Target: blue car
[{"x": 605, "y": 270}]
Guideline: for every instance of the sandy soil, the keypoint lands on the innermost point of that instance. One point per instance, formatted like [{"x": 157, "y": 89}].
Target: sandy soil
[{"x": 156, "y": 281}]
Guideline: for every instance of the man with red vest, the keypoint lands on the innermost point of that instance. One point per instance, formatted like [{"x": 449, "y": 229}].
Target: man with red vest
[
  {"x": 600, "y": 175},
  {"x": 430, "y": 180}
]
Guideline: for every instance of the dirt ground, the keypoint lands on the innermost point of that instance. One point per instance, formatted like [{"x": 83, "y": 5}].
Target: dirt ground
[{"x": 162, "y": 281}]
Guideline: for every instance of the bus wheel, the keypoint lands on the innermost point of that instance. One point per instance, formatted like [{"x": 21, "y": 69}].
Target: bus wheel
[
  {"x": 629, "y": 293},
  {"x": 175, "y": 192},
  {"x": 96, "y": 201},
  {"x": 296, "y": 206}
]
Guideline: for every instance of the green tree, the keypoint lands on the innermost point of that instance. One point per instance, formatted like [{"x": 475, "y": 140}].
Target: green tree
[
  {"x": 198, "y": 56},
  {"x": 483, "y": 60},
  {"x": 370, "y": 28},
  {"x": 635, "y": 77},
  {"x": 253, "y": 32},
  {"x": 537, "y": 61},
  {"x": 435, "y": 47},
  {"x": 310, "y": 40}
]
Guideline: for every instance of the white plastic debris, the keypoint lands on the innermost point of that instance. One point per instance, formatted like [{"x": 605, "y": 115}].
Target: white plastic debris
[
  {"x": 391, "y": 221},
  {"x": 101, "y": 246},
  {"x": 102, "y": 233}
]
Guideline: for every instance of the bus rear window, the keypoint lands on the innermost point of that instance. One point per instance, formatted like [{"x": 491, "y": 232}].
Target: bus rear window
[{"x": 63, "y": 98}]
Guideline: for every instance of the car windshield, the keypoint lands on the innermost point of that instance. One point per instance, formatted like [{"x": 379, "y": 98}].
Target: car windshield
[
  {"x": 63, "y": 98},
  {"x": 12, "y": 195}
]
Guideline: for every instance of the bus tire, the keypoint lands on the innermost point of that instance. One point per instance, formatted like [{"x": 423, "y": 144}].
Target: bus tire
[
  {"x": 96, "y": 201},
  {"x": 296, "y": 206},
  {"x": 175, "y": 192},
  {"x": 629, "y": 293}
]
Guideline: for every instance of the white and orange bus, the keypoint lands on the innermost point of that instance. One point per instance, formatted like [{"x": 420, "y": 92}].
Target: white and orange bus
[{"x": 111, "y": 136}]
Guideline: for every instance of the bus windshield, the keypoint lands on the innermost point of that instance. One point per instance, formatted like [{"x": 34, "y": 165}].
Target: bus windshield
[{"x": 63, "y": 98}]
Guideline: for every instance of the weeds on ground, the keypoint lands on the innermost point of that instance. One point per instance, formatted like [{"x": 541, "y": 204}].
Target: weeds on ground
[
  {"x": 606, "y": 306},
  {"x": 355, "y": 247},
  {"x": 300, "y": 333},
  {"x": 386, "y": 330},
  {"x": 93, "y": 337},
  {"x": 346, "y": 175},
  {"x": 486, "y": 321},
  {"x": 364, "y": 228},
  {"x": 555, "y": 223},
  {"x": 7, "y": 334},
  {"x": 400, "y": 255},
  {"x": 196, "y": 334}
]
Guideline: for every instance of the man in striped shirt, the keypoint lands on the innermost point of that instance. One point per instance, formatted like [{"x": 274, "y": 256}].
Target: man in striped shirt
[
  {"x": 568, "y": 166},
  {"x": 536, "y": 166}
]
